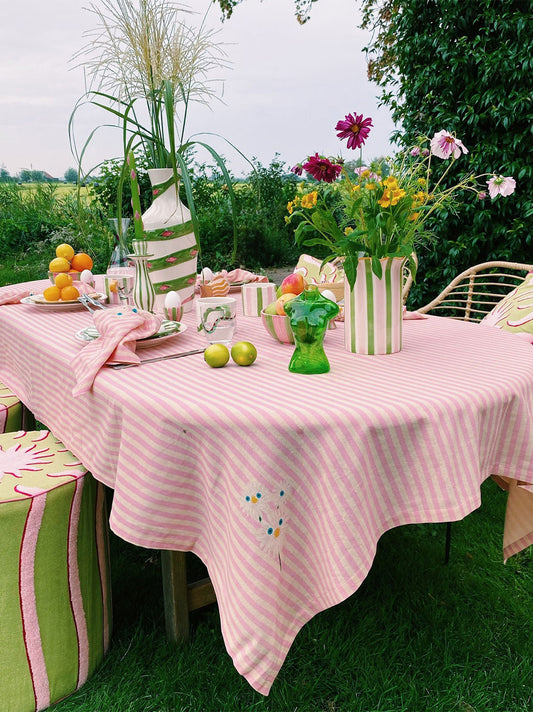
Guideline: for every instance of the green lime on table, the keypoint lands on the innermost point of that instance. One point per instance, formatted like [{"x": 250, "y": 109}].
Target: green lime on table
[
  {"x": 216, "y": 355},
  {"x": 243, "y": 353}
]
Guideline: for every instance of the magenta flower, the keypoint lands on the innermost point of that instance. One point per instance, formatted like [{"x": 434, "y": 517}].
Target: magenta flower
[
  {"x": 355, "y": 129},
  {"x": 298, "y": 169},
  {"x": 322, "y": 168},
  {"x": 443, "y": 145},
  {"x": 500, "y": 185}
]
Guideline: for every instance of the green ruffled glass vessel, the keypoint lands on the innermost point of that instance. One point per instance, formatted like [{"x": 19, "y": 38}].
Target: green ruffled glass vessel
[{"x": 309, "y": 315}]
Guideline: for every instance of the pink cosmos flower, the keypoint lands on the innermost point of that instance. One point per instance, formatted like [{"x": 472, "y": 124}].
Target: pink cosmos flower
[
  {"x": 355, "y": 129},
  {"x": 501, "y": 185},
  {"x": 443, "y": 145},
  {"x": 322, "y": 168}
]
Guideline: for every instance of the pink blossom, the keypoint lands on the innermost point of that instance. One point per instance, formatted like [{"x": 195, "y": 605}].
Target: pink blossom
[
  {"x": 322, "y": 168},
  {"x": 355, "y": 129},
  {"x": 501, "y": 185},
  {"x": 444, "y": 145}
]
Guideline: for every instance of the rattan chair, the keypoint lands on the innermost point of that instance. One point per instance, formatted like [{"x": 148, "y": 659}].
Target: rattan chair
[
  {"x": 477, "y": 290},
  {"x": 470, "y": 297}
]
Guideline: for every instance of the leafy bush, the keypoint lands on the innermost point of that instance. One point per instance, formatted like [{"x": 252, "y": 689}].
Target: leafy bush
[
  {"x": 468, "y": 71},
  {"x": 264, "y": 240}
]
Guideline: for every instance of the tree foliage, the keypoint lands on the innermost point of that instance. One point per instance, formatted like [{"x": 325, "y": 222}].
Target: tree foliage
[
  {"x": 302, "y": 8},
  {"x": 465, "y": 66}
]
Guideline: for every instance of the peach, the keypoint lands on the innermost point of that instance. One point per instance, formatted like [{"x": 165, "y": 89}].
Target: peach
[
  {"x": 280, "y": 303},
  {"x": 293, "y": 284}
]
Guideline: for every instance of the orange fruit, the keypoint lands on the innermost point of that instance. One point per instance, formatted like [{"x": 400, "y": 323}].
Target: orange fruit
[
  {"x": 81, "y": 261},
  {"x": 69, "y": 294},
  {"x": 52, "y": 294},
  {"x": 59, "y": 264},
  {"x": 65, "y": 251},
  {"x": 63, "y": 280}
]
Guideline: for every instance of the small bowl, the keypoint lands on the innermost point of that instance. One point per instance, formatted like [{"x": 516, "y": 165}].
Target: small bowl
[{"x": 278, "y": 326}]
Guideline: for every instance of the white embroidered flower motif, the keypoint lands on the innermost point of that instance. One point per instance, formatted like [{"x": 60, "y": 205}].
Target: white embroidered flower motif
[
  {"x": 254, "y": 501},
  {"x": 17, "y": 459},
  {"x": 273, "y": 519}
]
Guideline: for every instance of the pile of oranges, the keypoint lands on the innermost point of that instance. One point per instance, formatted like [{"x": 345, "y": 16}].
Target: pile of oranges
[{"x": 66, "y": 266}]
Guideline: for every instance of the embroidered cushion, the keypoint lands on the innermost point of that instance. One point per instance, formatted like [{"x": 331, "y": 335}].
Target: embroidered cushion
[{"x": 515, "y": 311}]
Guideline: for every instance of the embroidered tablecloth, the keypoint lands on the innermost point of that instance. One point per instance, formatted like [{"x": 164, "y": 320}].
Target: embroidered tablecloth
[{"x": 283, "y": 483}]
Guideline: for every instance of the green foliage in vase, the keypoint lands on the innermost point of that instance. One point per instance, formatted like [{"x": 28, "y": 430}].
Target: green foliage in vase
[
  {"x": 466, "y": 67},
  {"x": 147, "y": 65}
]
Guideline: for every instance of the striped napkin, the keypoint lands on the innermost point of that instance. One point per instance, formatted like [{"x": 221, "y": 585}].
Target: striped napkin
[{"x": 119, "y": 328}]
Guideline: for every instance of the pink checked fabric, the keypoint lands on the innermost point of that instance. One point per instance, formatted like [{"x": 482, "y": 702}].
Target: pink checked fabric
[{"x": 119, "y": 328}]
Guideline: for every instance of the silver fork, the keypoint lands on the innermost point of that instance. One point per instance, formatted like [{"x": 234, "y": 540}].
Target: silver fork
[{"x": 89, "y": 303}]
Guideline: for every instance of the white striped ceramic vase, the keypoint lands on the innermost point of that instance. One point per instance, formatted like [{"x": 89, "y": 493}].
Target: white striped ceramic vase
[
  {"x": 373, "y": 308},
  {"x": 143, "y": 289},
  {"x": 171, "y": 241}
]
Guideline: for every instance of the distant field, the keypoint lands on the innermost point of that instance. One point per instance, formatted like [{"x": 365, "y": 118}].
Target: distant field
[{"x": 60, "y": 188}]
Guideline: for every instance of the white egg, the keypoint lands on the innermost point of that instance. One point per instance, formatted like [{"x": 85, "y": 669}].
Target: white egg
[
  {"x": 172, "y": 300},
  {"x": 87, "y": 276},
  {"x": 329, "y": 295},
  {"x": 206, "y": 275}
]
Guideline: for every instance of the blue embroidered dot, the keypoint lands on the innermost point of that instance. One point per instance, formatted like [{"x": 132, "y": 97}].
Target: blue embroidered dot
[
  {"x": 248, "y": 498},
  {"x": 119, "y": 313},
  {"x": 282, "y": 493},
  {"x": 258, "y": 495},
  {"x": 280, "y": 522},
  {"x": 134, "y": 311},
  {"x": 270, "y": 530}
]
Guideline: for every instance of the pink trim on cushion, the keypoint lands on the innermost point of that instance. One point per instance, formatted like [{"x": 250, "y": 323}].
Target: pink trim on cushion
[
  {"x": 102, "y": 553},
  {"x": 28, "y": 605},
  {"x": 43, "y": 434},
  {"x": 76, "y": 599}
]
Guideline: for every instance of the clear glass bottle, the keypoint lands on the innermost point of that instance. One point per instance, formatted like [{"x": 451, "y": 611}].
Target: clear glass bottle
[
  {"x": 309, "y": 315},
  {"x": 120, "y": 263}
]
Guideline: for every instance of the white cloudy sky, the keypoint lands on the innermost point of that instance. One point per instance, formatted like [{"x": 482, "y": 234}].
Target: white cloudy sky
[{"x": 288, "y": 85}]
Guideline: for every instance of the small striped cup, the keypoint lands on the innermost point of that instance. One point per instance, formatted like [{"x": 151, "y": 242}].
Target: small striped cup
[{"x": 256, "y": 296}]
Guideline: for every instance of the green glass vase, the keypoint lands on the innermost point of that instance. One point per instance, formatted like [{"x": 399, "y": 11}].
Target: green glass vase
[{"x": 309, "y": 316}]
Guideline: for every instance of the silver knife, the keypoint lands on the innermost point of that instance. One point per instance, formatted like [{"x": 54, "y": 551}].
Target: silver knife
[{"x": 157, "y": 358}]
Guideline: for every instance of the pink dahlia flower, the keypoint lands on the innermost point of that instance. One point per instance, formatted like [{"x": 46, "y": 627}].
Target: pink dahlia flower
[
  {"x": 322, "y": 168},
  {"x": 443, "y": 145},
  {"x": 355, "y": 129},
  {"x": 500, "y": 185}
]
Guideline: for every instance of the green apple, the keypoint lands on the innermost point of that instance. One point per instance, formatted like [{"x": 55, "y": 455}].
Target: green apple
[{"x": 271, "y": 308}]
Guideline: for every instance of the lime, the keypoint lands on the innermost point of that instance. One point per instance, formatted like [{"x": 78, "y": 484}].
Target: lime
[
  {"x": 216, "y": 355},
  {"x": 243, "y": 353}
]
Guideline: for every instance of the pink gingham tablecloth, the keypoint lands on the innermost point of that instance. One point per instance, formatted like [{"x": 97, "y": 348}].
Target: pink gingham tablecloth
[{"x": 283, "y": 483}]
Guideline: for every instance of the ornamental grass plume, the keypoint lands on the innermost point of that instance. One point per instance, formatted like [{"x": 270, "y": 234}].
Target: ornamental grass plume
[{"x": 381, "y": 210}]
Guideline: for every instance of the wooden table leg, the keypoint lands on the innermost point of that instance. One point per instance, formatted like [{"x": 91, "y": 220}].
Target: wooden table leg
[{"x": 181, "y": 597}]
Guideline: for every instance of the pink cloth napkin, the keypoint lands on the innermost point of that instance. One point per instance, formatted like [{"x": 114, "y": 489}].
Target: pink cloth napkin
[
  {"x": 237, "y": 275},
  {"x": 14, "y": 295},
  {"x": 119, "y": 328}
]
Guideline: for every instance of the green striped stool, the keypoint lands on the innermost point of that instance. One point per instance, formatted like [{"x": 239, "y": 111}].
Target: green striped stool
[
  {"x": 55, "y": 600},
  {"x": 10, "y": 410}
]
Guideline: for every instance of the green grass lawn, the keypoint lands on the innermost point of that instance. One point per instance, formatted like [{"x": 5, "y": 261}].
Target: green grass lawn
[{"x": 418, "y": 635}]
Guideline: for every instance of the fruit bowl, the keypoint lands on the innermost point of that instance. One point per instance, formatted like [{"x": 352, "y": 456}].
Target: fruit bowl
[{"x": 278, "y": 326}]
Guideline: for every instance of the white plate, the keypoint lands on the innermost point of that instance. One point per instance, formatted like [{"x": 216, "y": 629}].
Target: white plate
[
  {"x": 37, "y": 300},
  {"x": 167, "y": 330}
]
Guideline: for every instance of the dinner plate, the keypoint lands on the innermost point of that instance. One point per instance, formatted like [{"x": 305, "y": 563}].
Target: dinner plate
[
  {"x": 167, "y": 330},
  {"x": 38, "y": 300}
]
